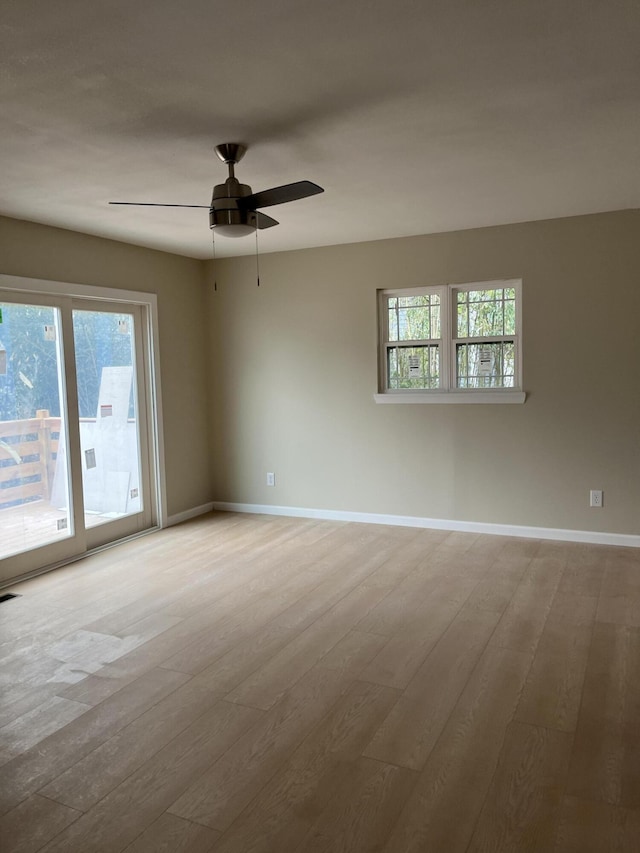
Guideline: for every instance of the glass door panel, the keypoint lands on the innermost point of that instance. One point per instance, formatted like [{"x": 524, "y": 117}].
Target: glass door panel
[
  {"x": 35, "y": 478},
  {"x": 109, "y": 419}
]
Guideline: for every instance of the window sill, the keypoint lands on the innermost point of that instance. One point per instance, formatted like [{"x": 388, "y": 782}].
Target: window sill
[{"x": 466, "y": 397}]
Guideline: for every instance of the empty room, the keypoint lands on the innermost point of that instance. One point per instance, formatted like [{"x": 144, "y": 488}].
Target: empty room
[{"x": 319, "y": 427}]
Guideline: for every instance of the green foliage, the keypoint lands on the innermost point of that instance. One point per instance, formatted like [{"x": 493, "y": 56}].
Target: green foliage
[
  {"x": 486, "y": 313},
  {"x": 31, "y": 381},
  {"x": 414, "y": 318},
  {"x": 414, "y": 367}
]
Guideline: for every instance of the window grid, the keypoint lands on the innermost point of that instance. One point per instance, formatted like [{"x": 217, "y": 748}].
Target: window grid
[
  {"x": 485, "y": 364},
  {"x": 414, "y": 318},
  {"x": 492, "y": 310},
  {"x": 413, "y": 367}
]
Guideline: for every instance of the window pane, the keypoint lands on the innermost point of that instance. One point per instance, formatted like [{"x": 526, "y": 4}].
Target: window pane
[
  {"x": 413, "y": 367},
  {"x": 435, "y": 317},
  {"x": 485, "y": 313},
  {"x": 414, "y": 318},
  {"x": 393, "y": 325},
  {"x": 414, "y": 324},
  {"x": 34, "y": 472},
  {"x": 105, "y": 364},
  {"x": 463, "y": 321},
  {"x": 510, "y": 316},
  {"x": 488, "y": 365},
  {"x": 414, "y": 301}
]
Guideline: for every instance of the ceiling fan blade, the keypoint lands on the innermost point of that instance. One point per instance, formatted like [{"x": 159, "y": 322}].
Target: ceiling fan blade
[
  {"x": 264, "y": 221},
  {"x": 153, "y": 204},
  {"x": 279, "y": 195}
]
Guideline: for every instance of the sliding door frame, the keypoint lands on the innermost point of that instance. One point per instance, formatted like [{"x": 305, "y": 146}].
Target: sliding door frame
[{"x": 54, "y": 292}]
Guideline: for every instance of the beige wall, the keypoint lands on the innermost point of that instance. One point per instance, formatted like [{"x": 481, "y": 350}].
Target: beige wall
[
  {"x": 38, "y": 251},
  {"x": 292, "y": 372},
  {"x": 296, "y": 373}
]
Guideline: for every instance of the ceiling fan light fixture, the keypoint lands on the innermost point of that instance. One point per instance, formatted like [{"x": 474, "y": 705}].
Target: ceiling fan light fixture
[
  {"x": 232, "y": 223},
  {"x": 234, "y": 230}
]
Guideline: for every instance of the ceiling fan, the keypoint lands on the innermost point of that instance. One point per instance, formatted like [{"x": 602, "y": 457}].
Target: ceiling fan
[{"x": 234, "y": 209}]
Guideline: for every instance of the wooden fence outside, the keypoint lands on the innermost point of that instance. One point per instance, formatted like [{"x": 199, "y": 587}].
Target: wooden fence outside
[{"x": 28, "y": 452}]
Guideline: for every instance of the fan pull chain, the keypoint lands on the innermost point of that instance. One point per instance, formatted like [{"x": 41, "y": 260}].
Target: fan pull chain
[
  {"x": 215, "y": 265},
  {"x": 257, "y": 260}
]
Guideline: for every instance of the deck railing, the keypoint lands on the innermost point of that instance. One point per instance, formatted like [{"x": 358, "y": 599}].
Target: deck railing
[{"x": 28, "y": 452}]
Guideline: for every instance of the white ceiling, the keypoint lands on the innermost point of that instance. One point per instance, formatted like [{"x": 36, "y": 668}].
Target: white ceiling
[{"x": 416, "y": 116}]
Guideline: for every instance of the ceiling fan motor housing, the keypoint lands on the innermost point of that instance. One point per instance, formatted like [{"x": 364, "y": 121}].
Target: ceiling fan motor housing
[{"x": 225, "y": 215}]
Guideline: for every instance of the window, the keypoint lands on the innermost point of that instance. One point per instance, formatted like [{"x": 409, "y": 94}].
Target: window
[{"x": 453, "y": 343}]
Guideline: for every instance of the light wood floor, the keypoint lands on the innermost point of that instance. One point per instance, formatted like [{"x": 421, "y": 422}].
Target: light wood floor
[{"x": 244, "y": 684}]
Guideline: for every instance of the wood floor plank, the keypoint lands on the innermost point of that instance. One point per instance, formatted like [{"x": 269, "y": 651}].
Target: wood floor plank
[
  {"x": 493, "y": 594},
  {"x": 399, "y": 564},
  {"x": 35, "y": 767},
  {"x": 228, "y": 632},
  {"x": 32, "y": 823},
  {"x": 406, "y": 601},
  {"x": 93, "y": 689},
  {"x": 621, "y": 575},
  {"x": 100, "y": 771},
  {"x": 594, "y": 827},
  {"x": 88, "y": 649},
  {"x": 521, "y": 810},
  {"x": 631, "y": 841},
  {"x": 547, "y": 568},
  {"x": 553, "y": 691},
  {"x": 114, "y": 676},
  {"x": 119, "y": 818},
  {"x": 29, "y": 729},
  {"x": 414, "y": 724},
  {"x": 336, "y": 581},
  {"x": 606, "y": 756},
  {"x": 170, "y": 834},
  {"x": 264, "y": 687},
  {"x": 149, "y": 627},
  {"x": 620, "y": 609},
  {"x": 584, "y": 571},
  {"x": 363, "y": 821},
  {"x": 401, "y": 657},
  {"x": 353, "y": 652},
  {"x": 245, "y": 658},
  {"x": 321, "y": 768},
  {"x": 524, "y": 619},
  {"x": 442, "y": 811},
  {"x": 19, "y": 699},
  {"x": 220, "y": 795}
]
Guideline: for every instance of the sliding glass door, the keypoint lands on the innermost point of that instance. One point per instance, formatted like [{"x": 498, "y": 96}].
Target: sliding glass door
[
  {"x": 112, "y": 421},
  {"x": 35, "y": 478},
  {"x": 76, "y": 417}
]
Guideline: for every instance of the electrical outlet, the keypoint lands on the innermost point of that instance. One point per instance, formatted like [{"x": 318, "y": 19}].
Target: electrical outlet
[
  {"x": 271, "y": 478},
  {"x": 595, "y": 497}
]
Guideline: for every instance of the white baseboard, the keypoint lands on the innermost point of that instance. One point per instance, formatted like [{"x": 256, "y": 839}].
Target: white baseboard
[
  {"x": 189, "y": 513},
  {"x": 588, "y": 536}
]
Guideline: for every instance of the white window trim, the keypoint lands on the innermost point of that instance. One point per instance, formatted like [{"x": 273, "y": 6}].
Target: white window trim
[{"x": 448, "y": 394}]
